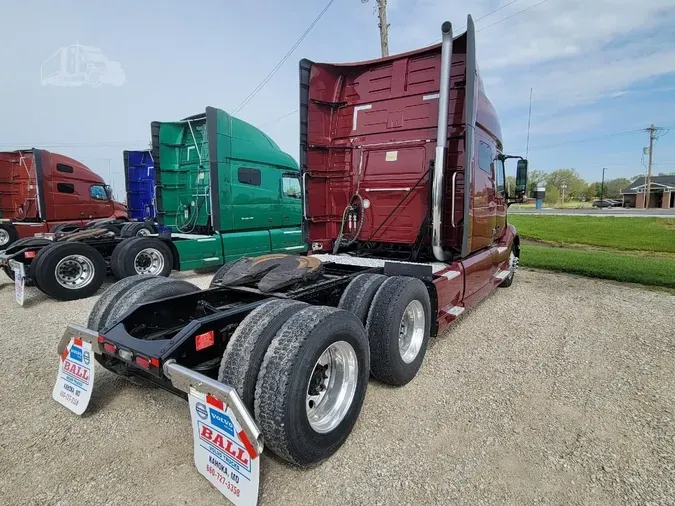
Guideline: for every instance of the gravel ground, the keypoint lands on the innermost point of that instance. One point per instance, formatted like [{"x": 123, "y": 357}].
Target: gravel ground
[{"x": 558, "y": 390}]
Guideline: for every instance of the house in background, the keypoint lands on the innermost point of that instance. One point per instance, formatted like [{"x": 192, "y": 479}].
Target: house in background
[{"x": 661, "y": 194}]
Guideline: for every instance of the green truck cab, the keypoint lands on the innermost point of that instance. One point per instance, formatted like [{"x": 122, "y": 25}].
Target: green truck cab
[{"x": 225, "y": 190}]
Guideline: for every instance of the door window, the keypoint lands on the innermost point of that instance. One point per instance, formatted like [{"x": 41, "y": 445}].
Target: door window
[
  {"x": 501, "y": 187},
  {"x": 291, "y": 187},
  {"x": 98, "y": 192},
  {"x": 485, "y": 158}
]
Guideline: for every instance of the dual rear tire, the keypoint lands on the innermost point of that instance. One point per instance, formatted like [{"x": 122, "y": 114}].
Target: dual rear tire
[
  {"x": 396, "y": 312},
  {"x": 303, "y": 370},
  {"x": 141, "y": 255}
]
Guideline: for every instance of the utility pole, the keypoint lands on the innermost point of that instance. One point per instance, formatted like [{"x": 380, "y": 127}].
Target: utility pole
[
  {"x": 602, "y": 187},
  {"x": 653, "y": 130},
  {"x": 384, "y": 26},
  {"x": 563, "y": 187}
]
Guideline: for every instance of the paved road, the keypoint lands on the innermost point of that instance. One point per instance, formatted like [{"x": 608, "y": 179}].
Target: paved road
[
  {"x": 654, "y": 213},
  {"x": 558, "y": 390}
]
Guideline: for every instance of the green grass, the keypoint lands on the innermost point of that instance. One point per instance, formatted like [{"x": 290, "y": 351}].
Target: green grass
[
  {"x": 601, "y": 264},
  {"x": 572, "y": 204},
  {"x": 640, "y": 234}
]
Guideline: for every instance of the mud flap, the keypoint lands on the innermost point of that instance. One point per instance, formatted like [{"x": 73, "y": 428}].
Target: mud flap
[
  {"x": 75, "y": 378},
  {"x": 223, "y": 453}
]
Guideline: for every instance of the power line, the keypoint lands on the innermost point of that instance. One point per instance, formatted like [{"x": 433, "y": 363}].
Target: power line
[
  {"x": 271, "y": 122},
  {"x": 281, "y": 62},
  {"x": 512, "y": 15},
  {"x": 587, "y": 139},
  {"x": 497, "y": 22}
]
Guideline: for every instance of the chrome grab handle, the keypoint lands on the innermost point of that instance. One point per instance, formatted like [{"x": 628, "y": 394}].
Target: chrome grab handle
[
  {"x": 452, "y": 214},
  {"x": 302, "y": 192},
  {"x": 387, "y": 189}
]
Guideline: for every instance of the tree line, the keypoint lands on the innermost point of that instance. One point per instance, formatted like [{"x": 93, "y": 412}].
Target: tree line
[{"x": 577, "y": 188}]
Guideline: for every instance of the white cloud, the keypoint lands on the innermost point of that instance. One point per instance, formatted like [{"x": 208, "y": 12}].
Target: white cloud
[{"x": 571, "y": 52}]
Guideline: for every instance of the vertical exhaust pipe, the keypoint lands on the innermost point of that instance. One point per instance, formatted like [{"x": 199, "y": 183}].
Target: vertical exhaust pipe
[{"x": 441, "y": 140}]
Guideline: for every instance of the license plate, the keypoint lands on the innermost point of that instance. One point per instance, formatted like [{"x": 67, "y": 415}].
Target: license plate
[
  {"x": 75, "y": 379},
  {"x": 223, "y": 453}
]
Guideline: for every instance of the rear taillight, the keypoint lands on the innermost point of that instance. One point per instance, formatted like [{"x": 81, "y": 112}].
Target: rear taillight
[
  {"x": 128, "y": 355},
  {"x": 143, "y": 362},
  {"x": 205, "y": 340}
]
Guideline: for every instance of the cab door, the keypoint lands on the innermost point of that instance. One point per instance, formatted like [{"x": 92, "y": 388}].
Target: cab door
[
  {"x": 288, "y": 238},
  {"x": 291, "y": 200},
  {"x": 484, "y": 204},
  {"x": 255, "y": 198},
  {"x": 101, "y": 205}
]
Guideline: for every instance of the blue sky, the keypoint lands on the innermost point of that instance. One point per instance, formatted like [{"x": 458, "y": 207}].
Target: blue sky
[{"x": 596, "y": 68}]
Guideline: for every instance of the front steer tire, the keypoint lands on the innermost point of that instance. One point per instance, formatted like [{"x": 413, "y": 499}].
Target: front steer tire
[
  {"x": 8, "y": 236},
  {"x": 246, "y": 348},
  {"x": 137, "y": 229},
  {"x": 385, "y": 323},
  {"x": 47, "y": 272},
  {"x": 281, "y": 391},
  {"x": 513, "y": 258}
]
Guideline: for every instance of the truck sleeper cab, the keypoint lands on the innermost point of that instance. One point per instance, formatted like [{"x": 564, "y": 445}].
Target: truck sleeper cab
[
  {"x": 296, "y": 338},
  {"x": 40, "y": 190}
]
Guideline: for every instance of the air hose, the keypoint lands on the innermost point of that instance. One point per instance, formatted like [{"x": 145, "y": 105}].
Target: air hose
[{"x": 347, "y": 214}]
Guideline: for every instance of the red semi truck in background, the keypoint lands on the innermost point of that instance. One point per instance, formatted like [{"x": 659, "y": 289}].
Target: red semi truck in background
[
  {"x": 405, "y": 217},
  {"x": 40, "y": 190}
]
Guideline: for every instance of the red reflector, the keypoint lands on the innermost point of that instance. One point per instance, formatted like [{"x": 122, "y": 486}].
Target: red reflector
[
  {"x": 101, "y": 339},
  {"x": 205, "y": 340},
  {"x": 143, "y": 362},
  {"x": 210, "y": 399},
  {"x": 110, "y": 348},
  {"x": 247, "y": 444},
  {"x": 154, "y": 362},
  {"x": 29, "y": 254}
]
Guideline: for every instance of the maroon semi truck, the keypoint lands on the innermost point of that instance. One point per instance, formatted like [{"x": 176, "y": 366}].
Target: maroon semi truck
[
  {"x": 42, "y": 191},
  {"x": 405, "y": 216}
]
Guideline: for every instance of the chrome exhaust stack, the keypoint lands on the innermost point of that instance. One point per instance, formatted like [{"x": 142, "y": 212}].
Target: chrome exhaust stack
[{"x": 442, "y": 139}]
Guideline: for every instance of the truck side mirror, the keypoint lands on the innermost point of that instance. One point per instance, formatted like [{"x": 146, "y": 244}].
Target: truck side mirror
[{"x": 521, "y": 177}]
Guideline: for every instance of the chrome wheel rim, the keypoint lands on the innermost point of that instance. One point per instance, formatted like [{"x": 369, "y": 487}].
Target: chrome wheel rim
[
  {"x": 149, "y": 261},
  {"x": 143, "y": 232},
  {"x": 75, "y": 272},
  {"x": 331, "y": 388},
  {"x": 4, "y": 237},
  {"x": 513, "y": 263},
  {"x": 411, "y": 331}
]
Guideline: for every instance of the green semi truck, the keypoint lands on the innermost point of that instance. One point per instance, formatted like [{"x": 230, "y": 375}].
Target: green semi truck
[{"x": 224, "y": 190}]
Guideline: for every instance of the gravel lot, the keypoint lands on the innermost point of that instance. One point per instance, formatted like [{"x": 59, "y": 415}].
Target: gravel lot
[{"x": 558, "y": 390}]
